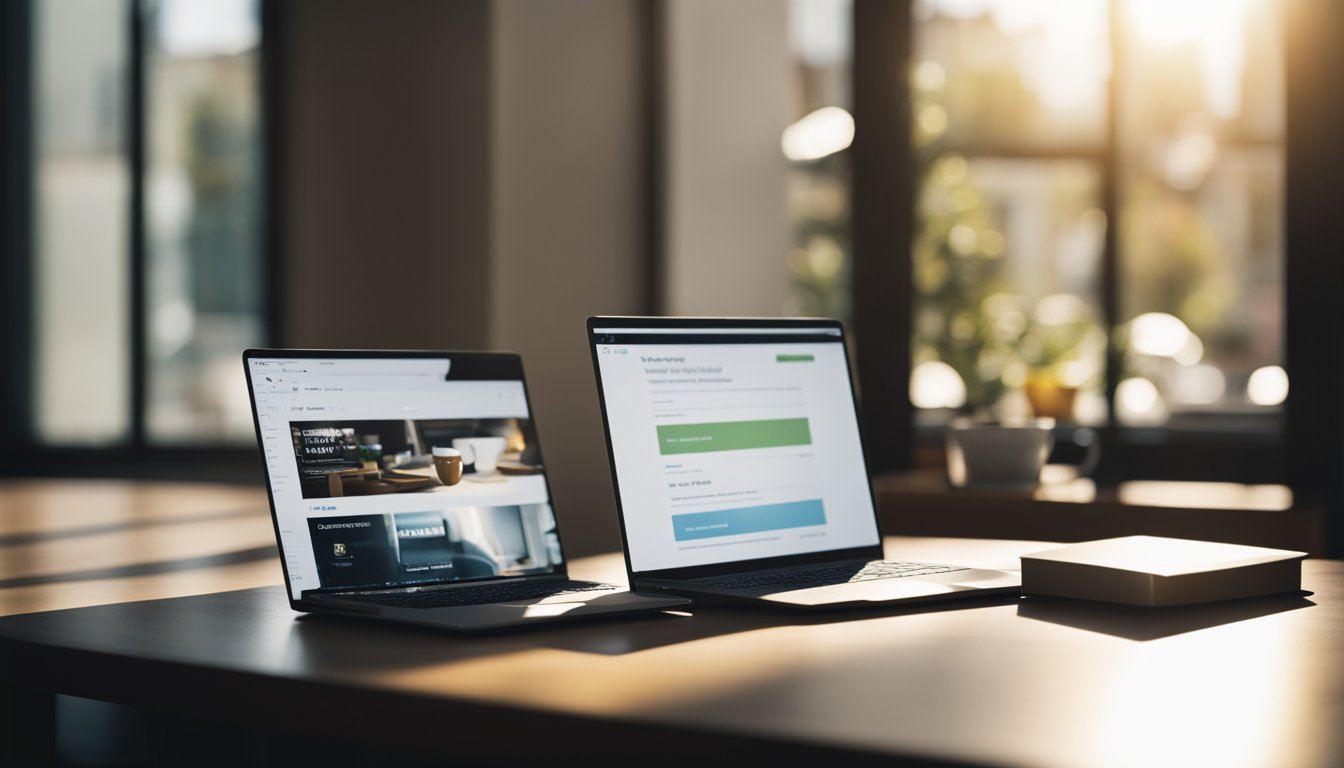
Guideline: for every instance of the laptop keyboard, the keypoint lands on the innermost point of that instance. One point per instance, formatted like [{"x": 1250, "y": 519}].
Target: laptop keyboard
[
  {"x": 483, "y": 594},
  {"x": 836, "y": 574}
]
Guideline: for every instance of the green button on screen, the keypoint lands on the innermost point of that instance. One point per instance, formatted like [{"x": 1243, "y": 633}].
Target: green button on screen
[{"x": 732, "y": 435}]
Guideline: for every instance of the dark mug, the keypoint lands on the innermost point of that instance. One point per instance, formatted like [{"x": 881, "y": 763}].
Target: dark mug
[{"x": 448, "y": 465}]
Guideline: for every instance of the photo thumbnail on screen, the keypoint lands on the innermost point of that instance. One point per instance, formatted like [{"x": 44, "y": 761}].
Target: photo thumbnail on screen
[
  {"x": 407, "y": 548},
  {"x": 364, "y": 457}
]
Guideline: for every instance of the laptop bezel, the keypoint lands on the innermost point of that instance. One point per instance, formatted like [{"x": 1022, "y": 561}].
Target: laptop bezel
[
  {"x": 509, "y": 361},
  {"x": 692, "y": 324}
]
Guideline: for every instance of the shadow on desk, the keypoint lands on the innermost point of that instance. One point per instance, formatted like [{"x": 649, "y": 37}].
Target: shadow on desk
[
  {"x": 1140, "y": 623},
  {"x": 26, "y": 538},
  {"x": 319, "y": 633},
  {"x": 237, "y": 557}
]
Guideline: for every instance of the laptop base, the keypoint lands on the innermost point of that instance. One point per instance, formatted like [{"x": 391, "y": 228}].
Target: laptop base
[
  {"x": 959, "y": 584},
  {"x": 491, "y": 616}
]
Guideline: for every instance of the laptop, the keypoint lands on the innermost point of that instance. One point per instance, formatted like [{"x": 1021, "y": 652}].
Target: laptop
[
  {"x": 739, "y": 467},
  {"x": 409, "y": 487}
]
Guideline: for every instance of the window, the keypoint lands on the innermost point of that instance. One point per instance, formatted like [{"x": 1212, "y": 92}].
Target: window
[
  {"x": 1096, "y": 220},
  {"x": 815, "y": 144},
  {"x": 1009, "y": 217},
  {"x": 1200, "y": 222},
  {"x": 80, "y": 222},
  {"x": 203, "y": 240},
  {"x": 145, "y": 231},
  {"x": 1016, "y": 151}
]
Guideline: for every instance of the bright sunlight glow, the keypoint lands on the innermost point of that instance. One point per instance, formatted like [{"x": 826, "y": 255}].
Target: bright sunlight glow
[
  {"x": 1214, "y": 27},
  {"x": 1268, "y": 386},
  {"x": 818, "y": 134},
  {"x": 1138, "y": 402},
  {"x": 1158, "y": 334},
  {"x": 935, "y": 384}
]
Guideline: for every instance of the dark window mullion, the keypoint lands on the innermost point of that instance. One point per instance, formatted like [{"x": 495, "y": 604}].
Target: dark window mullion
[
  {"x": 1110, "y": 206},
  {"x": 271, "y": 98},
  {"x": 16, "y": 181},
  {"x": 884, "y": 194},
  {"x": 135, "y": 157}
]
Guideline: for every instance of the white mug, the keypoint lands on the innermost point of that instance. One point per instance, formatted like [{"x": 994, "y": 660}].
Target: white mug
[{"x": 483, "y": 452}]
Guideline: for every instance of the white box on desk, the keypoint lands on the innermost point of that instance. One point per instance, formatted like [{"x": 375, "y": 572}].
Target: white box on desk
[{"x": 1157, "y": 571}]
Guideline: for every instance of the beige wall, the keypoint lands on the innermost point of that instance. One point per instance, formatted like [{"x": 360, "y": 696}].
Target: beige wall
[
  {"x": 567, "y": 225},
  {"x": 385, "y": 173},
  {"x": 727, "y": 231},
  {"x": 469, "y": 175}
]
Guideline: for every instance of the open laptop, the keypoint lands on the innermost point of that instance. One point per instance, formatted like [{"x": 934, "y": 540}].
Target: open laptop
[
  {"x": 372, "y": 521},
  {"x": 739, "y": 467}
]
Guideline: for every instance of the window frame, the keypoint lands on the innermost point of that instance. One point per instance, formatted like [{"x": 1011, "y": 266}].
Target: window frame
[
  {"x": 136, "y": 457},
  {"x": 1305, "y": 452},
  {"x": 16, "y": 216}
]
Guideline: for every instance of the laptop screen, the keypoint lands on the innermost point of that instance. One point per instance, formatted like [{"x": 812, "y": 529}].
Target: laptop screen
[
  {"x": 397, "y": 471},
  {"x": 732, "y": 443}
]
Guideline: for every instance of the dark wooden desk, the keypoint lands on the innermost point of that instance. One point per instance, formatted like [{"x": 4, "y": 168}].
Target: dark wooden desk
[{"x": 1003, "y": 682}]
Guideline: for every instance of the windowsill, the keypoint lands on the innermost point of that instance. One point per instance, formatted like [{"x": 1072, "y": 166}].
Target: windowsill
[{"x": 922, "y": 503}]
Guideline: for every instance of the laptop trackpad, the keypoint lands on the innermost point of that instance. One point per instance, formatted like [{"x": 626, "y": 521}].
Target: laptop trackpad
[{"x": 898, "y": 589}]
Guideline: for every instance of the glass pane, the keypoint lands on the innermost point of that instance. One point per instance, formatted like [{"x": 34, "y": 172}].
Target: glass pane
[
  {"x": 1201, "y": 238},
  {"x": 1007, "y": 73},
  {"x": 1215, "y": 65},
  {"x": 1007, "y": 281},
  {"x": 815, "y": 144},
  {"x": 81, "y": 374},
  {"x": 203, "y": 191}
]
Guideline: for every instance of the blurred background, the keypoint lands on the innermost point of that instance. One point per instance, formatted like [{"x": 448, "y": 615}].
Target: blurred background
[{"x": 1117, "y": 213}]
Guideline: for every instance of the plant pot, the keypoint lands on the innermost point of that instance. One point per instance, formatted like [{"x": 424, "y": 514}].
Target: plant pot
[{"x": 1049, "y": 398}]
